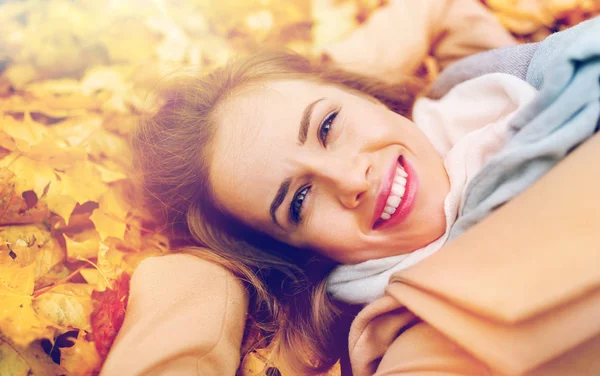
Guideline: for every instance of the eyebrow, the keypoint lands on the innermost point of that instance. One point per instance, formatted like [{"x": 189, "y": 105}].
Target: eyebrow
[
  {"x": 284, "y": 187},
  {"x": 279, "y": 197},
  {"x": 305, "y": 122}
]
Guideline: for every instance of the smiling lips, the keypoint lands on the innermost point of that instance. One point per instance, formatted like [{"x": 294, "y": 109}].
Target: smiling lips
[{"x": 397, "y": 195}]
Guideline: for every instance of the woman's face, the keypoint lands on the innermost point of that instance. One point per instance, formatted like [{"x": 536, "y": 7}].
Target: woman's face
[{"x": 323, "y": 168}]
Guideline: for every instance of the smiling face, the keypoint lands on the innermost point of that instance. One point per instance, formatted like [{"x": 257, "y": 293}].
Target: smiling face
[{"x": 320, "y": 167}]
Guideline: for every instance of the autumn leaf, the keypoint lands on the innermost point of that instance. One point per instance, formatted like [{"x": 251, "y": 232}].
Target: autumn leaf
[
  {"x": 110, "y": 218},
  {"x": 18, "y": 320},
  {"x": 31, "y": 360},
  {"x": 31, "y": 244},
  {"x": 108, "y": 317},
  {"x": 7, "y": 144},
  {"x": 77, "y": 131},
  {"x": 26, "y": 130},
  {"x": 67, "y": 306},
  {"x": 33, "y": 175},
  {"x": 83, "y": 245},
  {"x": 82, "y": 358},
  {"x": 14, "y": 209},
  {"x": 83, "y": 183}
]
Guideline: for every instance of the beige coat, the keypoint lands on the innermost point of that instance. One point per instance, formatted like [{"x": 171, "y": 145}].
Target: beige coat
[
  {"x": 517, "y": 294},
  {"x": 185, "y": 316},
  {"x": 397, "y": 38}
]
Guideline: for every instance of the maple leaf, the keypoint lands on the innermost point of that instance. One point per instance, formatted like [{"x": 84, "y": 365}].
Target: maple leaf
[
  {"x": 31, "y": 244},
  {"x": 108, "y": 317},
  {"x": 83, "y": 245},
  {"x": 110, "y": 217},
  {"x": 111, "y": 172},
  {"x": 18, "y": 320},
  {"x": 14, "y": 208},
  {"x": 27, "y": 130},
  {"x": 33, "y": 175},
  {"x": 83, "y": 183}
]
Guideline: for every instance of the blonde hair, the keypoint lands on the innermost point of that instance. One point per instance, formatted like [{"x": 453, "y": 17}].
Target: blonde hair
[{"x": 288, "y": 300}]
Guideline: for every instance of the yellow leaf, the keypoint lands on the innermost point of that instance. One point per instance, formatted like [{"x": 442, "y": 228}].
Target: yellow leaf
[
  {"x": 55, "y": 87},
  {"x": 58, "y": 272},
  {"x": 32, "y": 175},
  {"x": 26, "y": 130},
  {"x": 14, "y": 208},
  {"x": 82, "y": 358},
  {"x": 61, "y": 204},
  {"x": 83, "y": 183},
  {"x": 84, "y": 244},
  {"x": 109, "y": 262},
  {"x": 67, "y": 306},
  {"x": 333, "y": 20},
  {"x": 111, "y": 172},
  {"x": 110, "y": 217},
  {"x": 104, "y": 144},
  {"x": 18, "y": 320},
  {"x": 21, "y": 74},
  {"x": 91, "y": 276},
  {"x": 32, "y": 244},
  {"x": 32, "y": 360},
  {"x": 11, "y": 362},
  {"x": 77, "y": 131}
]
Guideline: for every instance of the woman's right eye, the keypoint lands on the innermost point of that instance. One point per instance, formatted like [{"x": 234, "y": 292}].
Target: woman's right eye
[{"x": 297, "y": 204}]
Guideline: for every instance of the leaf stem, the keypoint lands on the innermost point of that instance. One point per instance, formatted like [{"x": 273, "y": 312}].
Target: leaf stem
[{"x": 57, "y": 283}]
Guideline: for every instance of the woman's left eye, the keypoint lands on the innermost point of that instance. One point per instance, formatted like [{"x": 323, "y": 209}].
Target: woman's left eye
[
  {"x": 297, "y": 204},
  {"x": 326, "y": 127}
]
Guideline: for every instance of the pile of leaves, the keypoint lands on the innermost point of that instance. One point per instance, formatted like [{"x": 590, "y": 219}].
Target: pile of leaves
[
  {"x": 73, "y": 77},
  {"x": 534, "y": 20}
]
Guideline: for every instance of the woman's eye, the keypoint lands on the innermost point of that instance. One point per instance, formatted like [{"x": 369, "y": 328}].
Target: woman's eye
[
  {"x": 297, "y": 204},
  {"x": 326, "y": 127}
]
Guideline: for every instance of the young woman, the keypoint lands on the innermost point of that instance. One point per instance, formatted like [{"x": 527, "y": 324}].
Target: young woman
[{"x": 280, "y": 167}]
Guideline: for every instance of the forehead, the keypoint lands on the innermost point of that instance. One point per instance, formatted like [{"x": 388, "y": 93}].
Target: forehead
[{"x": 255, "y": 140}]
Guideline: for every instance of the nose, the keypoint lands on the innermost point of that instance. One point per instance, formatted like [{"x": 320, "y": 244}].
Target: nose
[{"x": 347, "y": 178}]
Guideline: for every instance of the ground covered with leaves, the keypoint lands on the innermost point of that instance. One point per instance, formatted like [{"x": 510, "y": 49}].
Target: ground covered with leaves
[{"x": 73, "y": 76}]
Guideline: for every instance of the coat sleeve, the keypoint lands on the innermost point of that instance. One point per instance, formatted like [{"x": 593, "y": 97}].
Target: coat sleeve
[
  {"x": 185, "y": 316},
  {"x": 422, "y": 350},
  {"x": 388, "y": 339},
  {"x": 393, "y": 42}
]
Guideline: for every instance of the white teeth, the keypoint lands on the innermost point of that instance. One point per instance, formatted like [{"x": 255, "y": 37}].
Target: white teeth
[
  {"x": 400, "y": 171},
  {"x": 393, "y": 201},
  {"x": 396, "y": 194},
  {"x": 398, "y": 189}
]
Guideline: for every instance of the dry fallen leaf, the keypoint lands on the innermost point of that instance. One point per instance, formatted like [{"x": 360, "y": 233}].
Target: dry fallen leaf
[
  {"x": 18, "y": 320},
  {"x": 82, "y": 358},
  {"x": 67, "y": 306},
  {"x": 31, "y": 360},
  {"x": 108, "y": 317}
]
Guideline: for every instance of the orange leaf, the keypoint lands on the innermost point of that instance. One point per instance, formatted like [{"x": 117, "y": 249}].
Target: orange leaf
[{"x": 108, "y": 317}]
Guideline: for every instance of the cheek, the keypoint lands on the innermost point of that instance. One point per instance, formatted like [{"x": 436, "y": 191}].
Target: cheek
[{"x": 333, "y": 233}]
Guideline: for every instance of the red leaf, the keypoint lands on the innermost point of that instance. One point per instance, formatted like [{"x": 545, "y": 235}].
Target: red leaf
[{"x": 108, "y": 316}]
